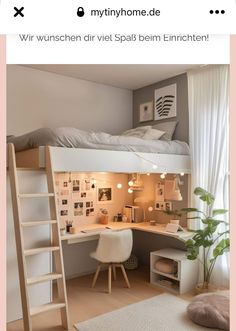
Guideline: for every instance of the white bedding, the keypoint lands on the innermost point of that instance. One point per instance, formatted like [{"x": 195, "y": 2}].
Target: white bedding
[{"x": 75, "y": 138}]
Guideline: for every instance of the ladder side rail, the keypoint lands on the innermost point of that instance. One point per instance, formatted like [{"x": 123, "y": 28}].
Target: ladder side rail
[
  {"x": 19, "y": 237},
  {"x": 58, "y": 257}
]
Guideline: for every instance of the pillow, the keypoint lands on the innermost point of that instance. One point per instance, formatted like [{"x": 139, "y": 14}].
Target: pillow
[
  {"x": 167, "y": 127},
  {"x": 153, "y": 134},
  {"x": 210, "y": 310},
  {"x": 166, "y": 265},
  {"x": 138, "y": 132}
]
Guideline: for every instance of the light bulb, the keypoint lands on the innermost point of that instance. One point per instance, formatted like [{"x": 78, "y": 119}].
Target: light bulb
[
  {"x": 130, "y": 183},
  {"x": 119, "y": 185},
  {"x": 154, "y": 166},
  {"x": 182, "y": 174},
  {"x": 94, "y": 181},
  {"x": 130, "y": 190},
  {"x": 162, "y": 176},
  {"x": 150, "y": 209},
  {"x": 148, "y": 174}
]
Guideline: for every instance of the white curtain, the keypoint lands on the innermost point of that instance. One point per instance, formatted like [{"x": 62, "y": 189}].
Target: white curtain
[{"x": 208, "y": 90}]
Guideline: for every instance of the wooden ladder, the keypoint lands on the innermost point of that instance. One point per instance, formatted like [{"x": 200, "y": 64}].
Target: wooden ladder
[{"x": 55, "y": 248}]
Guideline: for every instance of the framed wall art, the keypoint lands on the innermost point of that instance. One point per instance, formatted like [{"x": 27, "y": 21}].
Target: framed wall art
[
  {"x": 165, "y": 101},
  {"x": 146, "y": 112}
]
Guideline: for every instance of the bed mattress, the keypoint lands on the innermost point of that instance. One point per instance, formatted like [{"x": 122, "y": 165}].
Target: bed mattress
[{"x": 76, "y": 138}]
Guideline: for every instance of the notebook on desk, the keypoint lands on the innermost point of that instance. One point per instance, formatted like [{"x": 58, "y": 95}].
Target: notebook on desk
[{"x": 96, "y": 230}]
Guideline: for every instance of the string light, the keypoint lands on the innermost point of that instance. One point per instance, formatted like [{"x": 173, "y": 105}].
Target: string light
[
  {"x": 182, "y": 174},
  {"x": 148, "y": 174},
  {"x": 119, "y": 185},
  {"x": 130, "y": 190},
  {"x": 163, "y": 176},
  {"x": 154, "y": 166},
  {"x": 130, "y": 183}
]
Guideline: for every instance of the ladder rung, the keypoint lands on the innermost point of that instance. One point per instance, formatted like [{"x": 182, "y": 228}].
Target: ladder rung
[
  {"x": 43, "y": 278},
  {"x": 35, "y": 251},
  {"x": 46, "y": 307},
  {"x": 35, "y": 223},
  {"x": 35, "y": 195}
]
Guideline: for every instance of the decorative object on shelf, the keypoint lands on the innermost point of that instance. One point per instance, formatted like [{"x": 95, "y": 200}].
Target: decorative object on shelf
[
  {"x": 131, "y": 263},
  {"x": 207, "y": 242},
  {"x": 166, "y": 266},
  {"x": 103, "y": 216},
  {"x": 146, "y": 112},
  {"x": 165, "y": 102},
  {"x": 135, "y": 184},
  {"x": 104, "y": 195}
]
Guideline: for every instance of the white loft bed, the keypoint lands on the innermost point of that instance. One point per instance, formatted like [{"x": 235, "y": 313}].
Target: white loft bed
[{"x": 95, "y": 160}]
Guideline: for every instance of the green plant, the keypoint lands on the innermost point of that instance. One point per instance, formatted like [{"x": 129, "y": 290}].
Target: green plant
[{"x": 212, "y": 242}]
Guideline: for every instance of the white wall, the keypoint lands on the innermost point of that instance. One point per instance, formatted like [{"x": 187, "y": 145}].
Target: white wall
[{"x": 41, "y": 99}]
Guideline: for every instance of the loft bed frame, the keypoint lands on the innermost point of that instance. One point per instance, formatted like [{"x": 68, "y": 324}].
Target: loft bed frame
[{"x": 94, "y": 160}]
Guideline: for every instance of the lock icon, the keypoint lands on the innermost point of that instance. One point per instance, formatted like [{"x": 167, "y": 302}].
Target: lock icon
[{"x": 80, "y": 12}]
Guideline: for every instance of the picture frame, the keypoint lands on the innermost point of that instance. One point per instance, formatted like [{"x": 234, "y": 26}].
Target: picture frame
[
  {"x": 160, "y": 192},
  {"x": 104, "y": 195},
  {"x": 165, "y": 102},
  {"x": 163, "y": 205},
  {"x": 146, "y": 112}
]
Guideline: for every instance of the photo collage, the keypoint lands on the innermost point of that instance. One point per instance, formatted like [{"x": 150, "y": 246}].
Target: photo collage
[{"x": 76, "y": 197}]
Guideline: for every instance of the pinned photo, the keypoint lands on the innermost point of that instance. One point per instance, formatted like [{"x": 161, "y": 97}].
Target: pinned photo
[
  {"x": 64, "y": 201},
  {"x": 64, "y": 212},
  {"x": 76, "y": 185}
]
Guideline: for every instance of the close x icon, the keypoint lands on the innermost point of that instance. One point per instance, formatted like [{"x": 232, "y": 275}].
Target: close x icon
[{"x": 19, "y": 12}]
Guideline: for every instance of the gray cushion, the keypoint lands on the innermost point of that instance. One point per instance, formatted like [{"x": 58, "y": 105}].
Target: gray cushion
[
  {"x": 210, "y": 310},
  {"x": 168, "y": 127}
]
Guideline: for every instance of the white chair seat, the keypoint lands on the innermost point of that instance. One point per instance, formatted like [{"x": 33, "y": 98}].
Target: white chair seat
[{"x": 114, "y": 247}]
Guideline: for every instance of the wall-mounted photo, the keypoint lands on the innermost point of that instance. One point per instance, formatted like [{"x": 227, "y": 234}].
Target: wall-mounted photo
[
  {"x": 160, "y": 191},
  {"x": 163, "y": 206},
  {"x": 165, "y": 102},
  {"x": 104, "y": 194},
  {"x": 64, "y": 201},
  {"x": 64, "y": 212},
  {"x": 146, "y": 112},
  {"x": 76, "y": 186}
]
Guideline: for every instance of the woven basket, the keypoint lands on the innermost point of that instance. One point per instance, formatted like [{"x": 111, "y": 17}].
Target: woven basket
[{"x": 131, "y": 263}]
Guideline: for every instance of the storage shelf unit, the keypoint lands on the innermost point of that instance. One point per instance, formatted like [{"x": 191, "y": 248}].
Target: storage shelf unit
[{"x": 185, "y": 278}]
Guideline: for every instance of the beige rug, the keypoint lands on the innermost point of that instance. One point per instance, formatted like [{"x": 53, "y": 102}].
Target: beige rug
[{"x": 164, "y": 312}]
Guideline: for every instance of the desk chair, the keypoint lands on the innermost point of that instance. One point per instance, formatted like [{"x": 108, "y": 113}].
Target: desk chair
[{"x": 114, "y": 248}]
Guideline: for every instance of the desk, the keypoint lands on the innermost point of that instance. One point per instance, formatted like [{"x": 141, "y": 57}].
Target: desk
[{"x": 145, "y": 226}]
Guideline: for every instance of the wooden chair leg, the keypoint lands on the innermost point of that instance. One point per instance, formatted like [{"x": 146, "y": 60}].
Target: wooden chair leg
[
  {"x": 109, "y": 278},
  {"x": 114, "y": 271},
  {"x": 125, "y": 275},
  {"x": 96, "y": 275}
]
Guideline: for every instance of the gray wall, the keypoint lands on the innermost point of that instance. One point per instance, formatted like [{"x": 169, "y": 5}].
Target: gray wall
[
  {"x": 146, "y": 94},
  {"x": 42, "y": 99}
]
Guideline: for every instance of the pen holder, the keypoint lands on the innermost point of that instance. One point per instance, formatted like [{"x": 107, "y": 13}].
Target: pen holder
[{"x": 68, "y": 226}]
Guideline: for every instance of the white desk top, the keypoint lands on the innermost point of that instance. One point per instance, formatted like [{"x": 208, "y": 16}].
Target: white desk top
[{"x": 146, "y": 227}]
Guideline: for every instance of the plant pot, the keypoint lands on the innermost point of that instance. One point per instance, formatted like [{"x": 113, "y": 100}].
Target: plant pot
[
  {"x": 103, "y": 219},
  {"x": 199, "y": 289}
]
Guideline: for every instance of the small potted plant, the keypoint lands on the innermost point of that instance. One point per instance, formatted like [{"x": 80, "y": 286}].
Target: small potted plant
[
  {"x": 103, "y": 216},
  {"x": 176, "y": 215},
  {"x": 207, "y": 243}
]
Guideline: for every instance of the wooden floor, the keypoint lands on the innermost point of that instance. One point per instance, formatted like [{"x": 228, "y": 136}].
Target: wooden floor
[{"x": 85, "y": 302}]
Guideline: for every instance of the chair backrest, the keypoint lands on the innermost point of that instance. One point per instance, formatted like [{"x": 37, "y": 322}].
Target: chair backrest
[{"x": 114, "y": 246}]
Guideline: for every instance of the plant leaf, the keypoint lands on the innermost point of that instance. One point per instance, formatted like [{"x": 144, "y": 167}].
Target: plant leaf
[
  {"x": 204, "y": 195},
  {"x": 221, "y": 248},
  {"x": 190, "y": 210},
  {"x": 219, "y": 212}
]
